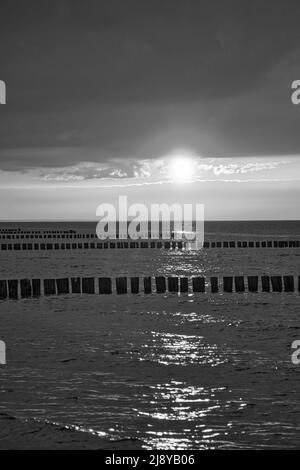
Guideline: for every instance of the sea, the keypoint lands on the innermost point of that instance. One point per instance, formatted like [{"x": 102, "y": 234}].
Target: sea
[{"x": 159, "y": 371}]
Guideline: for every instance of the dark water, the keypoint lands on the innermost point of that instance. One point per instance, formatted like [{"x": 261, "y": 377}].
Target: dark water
[{"x": 158, "y": 372}]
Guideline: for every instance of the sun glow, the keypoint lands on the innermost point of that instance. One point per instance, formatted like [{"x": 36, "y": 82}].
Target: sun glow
[{"x": 181, "y": 169}]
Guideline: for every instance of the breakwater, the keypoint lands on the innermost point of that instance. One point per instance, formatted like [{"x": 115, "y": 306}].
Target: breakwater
[{"x": 26, "y": 288}]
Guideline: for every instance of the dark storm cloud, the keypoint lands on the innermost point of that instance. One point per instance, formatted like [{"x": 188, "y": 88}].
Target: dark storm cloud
[{"x": 131, "y": 78}]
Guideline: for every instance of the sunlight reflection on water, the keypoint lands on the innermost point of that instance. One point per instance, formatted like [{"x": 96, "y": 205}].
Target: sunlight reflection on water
[
  {"x": 176, "y": 349},
  {"x": 189, "y": 407}
]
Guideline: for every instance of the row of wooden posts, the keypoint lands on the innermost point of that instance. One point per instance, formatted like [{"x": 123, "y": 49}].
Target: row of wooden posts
[
  {"x": 90, "y": 245},
  {"x": 254, "y": 244},
  {"x": 121, "y": 242},
  {"x": 33, "y": 236},
  {"x": 145, "y": 244},
  {"x": 32, "y": 232},
  {"x": 14, "y": 288}
]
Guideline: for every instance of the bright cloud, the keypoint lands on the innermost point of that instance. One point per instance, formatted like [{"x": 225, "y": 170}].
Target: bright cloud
[{"x": 157, "y": 169}]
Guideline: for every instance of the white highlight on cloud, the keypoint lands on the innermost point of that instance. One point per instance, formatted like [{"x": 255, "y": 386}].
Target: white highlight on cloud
[
  {"x": 156, "y": 171},
  {"x": 240, "y": 167},
  {"x": 159, "y": 169}
]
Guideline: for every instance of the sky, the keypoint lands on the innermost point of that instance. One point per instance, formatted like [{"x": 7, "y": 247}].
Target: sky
[{"x": 104, "y": 96}]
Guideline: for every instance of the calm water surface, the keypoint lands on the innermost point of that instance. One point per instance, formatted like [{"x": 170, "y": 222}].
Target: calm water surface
[{"x": 159, "y": 371}]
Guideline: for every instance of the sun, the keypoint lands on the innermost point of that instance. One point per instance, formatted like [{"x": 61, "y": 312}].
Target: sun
[{"x": 181, "y": 169}]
